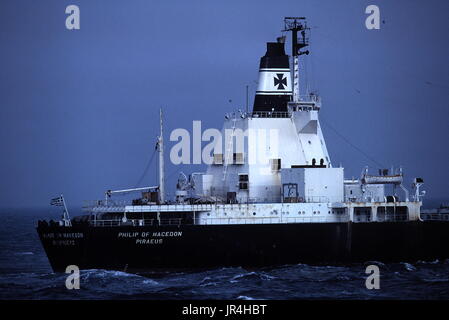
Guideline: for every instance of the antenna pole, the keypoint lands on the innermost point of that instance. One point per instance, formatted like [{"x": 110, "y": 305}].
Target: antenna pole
[
  {"x": 295, "y": 25},
  {"x": 161, "y": 162},
  {"x": 247, "y": 111}
]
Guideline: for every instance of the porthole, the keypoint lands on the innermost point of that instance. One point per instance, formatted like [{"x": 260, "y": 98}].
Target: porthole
[{"x": 254, "y": 213}]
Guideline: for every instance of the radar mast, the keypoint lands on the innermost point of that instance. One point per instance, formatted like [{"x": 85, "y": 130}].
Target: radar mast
[{"x": 297, "y": 25}]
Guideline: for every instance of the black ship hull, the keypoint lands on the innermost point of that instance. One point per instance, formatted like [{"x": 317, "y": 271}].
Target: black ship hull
[{"x": 156, "y": 248}]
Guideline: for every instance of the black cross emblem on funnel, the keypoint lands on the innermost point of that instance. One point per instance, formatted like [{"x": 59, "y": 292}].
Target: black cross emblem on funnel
[{"x": 280, "y": 81}]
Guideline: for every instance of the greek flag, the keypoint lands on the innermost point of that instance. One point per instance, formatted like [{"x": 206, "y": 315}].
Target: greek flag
[{"x": 59, "y": 201}]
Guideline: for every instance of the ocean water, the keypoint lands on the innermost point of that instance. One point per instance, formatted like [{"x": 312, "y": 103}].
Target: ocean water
[{"x": 26, "y": 274}]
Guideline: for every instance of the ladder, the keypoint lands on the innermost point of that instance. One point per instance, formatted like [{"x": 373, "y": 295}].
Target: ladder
[{"x": 229, "y": 149}]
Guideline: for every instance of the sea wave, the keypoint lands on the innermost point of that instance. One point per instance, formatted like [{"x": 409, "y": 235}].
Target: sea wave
[
  {"x": 408, "y": 266},
  {"x": 244, "y": 298}
]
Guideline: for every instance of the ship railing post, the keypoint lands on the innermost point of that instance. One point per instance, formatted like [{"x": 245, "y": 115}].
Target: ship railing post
[{"x": 66, "y": 217}]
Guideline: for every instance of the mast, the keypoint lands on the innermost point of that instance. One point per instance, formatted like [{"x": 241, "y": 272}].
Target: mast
[
  {"x": 295, "y": 25},
  {"x": 247, "y": 111},
  {"x": 161, "y": 162},
  {"x": 66, "y": 217}
]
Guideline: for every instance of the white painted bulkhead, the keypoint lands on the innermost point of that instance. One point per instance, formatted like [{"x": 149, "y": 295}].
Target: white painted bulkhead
[{"x": 295, "y": 140}]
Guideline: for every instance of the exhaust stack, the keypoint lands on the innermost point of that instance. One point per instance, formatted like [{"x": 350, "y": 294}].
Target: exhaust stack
[{"x": 274, "y": 90}]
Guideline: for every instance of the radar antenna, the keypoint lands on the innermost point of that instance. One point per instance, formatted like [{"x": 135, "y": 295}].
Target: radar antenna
[{"x": 295, "y": 25}]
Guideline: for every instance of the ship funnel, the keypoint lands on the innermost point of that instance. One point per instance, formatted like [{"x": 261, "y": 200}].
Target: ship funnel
[{"x": 274, "y": 90}]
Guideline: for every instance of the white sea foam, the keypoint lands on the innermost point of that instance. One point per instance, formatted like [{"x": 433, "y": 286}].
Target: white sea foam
[
  {"x": 408, "y": 266},
  {"x": 150, "y": 282},
  {"x": 244, "y": 298},
  {"x": 243, "y": 275}
]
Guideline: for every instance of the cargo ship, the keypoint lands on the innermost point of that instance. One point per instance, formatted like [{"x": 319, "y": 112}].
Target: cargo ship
[{"x": 270, "y": 196}]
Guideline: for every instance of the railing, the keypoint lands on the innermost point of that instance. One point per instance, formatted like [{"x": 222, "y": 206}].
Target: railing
[
  {"x": 320, "y": 199},
  {"x": 114, "y": 206},
  {"x": 435, "y": 216},
  {"x": 272, "y": 220},
  {"x": 170, "y": 208},
  {"x": 171, "y": 222},
  {"x": 255, "y": 200},
  {"x": 278, "y": 200},
  {"x": 106, "y": 203},
  {"x": 105, "y": 223},
  {"x": 306, "y": 102},
  {"x": 309, "y": 97},
  {"x": 119, "y": 206},
  {"x": 270, "y": 114},
  {"x": 136, "y": 222},
  {"x": 215, "y": 221}
]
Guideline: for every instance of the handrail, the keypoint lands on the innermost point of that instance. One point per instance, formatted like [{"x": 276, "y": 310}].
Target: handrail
[
  {"x": 254, "y": 220},
  {"x": 221, "y": 220},
  {"x": 111, "y": 205},
  {"x": 270, "y": 114},
  {"x": 275, "y": 220}
]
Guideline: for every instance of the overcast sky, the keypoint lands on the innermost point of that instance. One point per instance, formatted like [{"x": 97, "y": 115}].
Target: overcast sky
[{"x": 79, "y": 109}]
